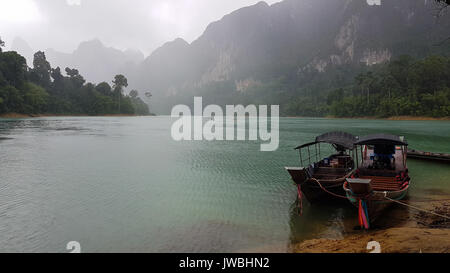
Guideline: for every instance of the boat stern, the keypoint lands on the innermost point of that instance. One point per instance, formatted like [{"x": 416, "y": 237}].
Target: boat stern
[{"x": 298, "y": 174}]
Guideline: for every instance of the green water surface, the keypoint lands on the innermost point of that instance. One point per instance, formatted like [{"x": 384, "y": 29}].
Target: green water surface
[{"x": 122, "y": 184}]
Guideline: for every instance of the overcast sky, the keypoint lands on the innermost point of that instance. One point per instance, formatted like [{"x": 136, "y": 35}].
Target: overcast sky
[{"x": 136, "y": 24}]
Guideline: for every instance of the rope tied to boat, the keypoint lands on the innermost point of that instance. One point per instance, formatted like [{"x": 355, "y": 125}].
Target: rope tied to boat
[
  {"x": 300, "y": 198},
  {"x": 363, "y": 214},
  {"x": 416, "y": 208},
  {"x": 327, "y": 191}
]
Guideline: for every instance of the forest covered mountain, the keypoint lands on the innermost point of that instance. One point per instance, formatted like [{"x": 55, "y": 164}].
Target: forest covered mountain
[
  {"x": 312, "y": 57},
  {"x": 293, "y": 53}
]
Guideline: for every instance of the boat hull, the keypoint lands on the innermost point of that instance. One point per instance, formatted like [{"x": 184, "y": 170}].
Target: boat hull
[
  {"x": 377, "y": 201},
  {"x": 332, "y": 192},
  {"x": 315, "y": 194}
]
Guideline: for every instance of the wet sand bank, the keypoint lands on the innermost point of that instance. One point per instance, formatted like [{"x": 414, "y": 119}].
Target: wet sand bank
[{"x": 401, "y": 230}]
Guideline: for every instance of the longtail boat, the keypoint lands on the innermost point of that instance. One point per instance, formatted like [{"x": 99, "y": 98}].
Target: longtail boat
[
  {"x": 443, "y": 157},
  {"x": 381, "y": 179},
  {"x": 321, "y": 179}
]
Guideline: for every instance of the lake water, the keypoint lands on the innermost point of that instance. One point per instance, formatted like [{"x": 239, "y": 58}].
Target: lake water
[{"x": 121, "y": 184}]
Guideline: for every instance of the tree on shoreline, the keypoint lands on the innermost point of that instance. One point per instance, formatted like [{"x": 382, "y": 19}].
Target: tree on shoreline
[
  {"x": 40, "y": 73},
  {"x": 43, "y": 89},
  {"x": 119, "y": 83},
  {"x": 2, "y": 44}
]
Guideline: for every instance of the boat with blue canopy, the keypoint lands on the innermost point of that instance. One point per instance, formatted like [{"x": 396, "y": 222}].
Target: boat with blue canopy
[{"x": 381, "y": 177}]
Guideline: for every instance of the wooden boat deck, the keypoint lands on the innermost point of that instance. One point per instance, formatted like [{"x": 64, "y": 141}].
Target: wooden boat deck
[
  {"x": 387, "y": 183},
  {"x": 329, "y": 173}
]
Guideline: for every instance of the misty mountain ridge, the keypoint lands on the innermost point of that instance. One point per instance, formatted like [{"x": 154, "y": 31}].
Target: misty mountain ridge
[
  {"x": 95, "y": 61},
  {"x": 21, "y": 46},
  {"x": 261, "y": 43}
]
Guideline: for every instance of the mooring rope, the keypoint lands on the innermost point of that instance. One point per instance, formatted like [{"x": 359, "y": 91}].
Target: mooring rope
[
  {"x": 327, "y": 191},
  {"x": 420, "y": 209},
  {"x": 300, "y": 198},
  {"x": 393, "y": 200},
  {"x": 363, "y": 215}
]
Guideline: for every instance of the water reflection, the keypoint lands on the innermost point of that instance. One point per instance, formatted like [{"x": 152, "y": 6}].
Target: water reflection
[
  {"x": 12, "y": 127},
  {"x": 320, "y": 221}
]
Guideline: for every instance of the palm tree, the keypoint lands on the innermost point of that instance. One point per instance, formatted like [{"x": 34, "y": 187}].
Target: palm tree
[{"x": 119, "y": 83}]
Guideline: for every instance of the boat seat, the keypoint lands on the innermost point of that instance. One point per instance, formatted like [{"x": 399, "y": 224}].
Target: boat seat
[
  {"x": 383, "y": 183},
  {"x": 327, "y": 170},
  {"x": 326, "y": 176}
]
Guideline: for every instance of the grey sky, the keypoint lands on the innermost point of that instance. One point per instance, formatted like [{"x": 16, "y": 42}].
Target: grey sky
[{"x": 137, "y": 24}]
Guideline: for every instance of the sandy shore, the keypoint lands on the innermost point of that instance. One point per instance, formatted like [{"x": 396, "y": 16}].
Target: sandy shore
[
  {"x": 393, "y": 240},
  {"x": 394, "y": 118},
  {"x": 416, "y": 118},
  {"x": 14, "y": 115},
  {"x": 403, "y": 231},
  {"x": 17, "y": 115},
  {"x": 376, "y": 118}
]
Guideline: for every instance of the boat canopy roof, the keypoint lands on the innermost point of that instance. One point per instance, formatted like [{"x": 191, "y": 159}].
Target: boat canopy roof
[
  {"x": 381, "y": 139},
  {"x": 340, "y": 140}
]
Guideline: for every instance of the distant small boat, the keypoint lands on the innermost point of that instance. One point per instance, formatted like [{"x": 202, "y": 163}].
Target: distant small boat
[
  {"x": 429, "y": 155},
  {"x": 382, "y": 177},
  {"x": 322, "y": 179}
]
